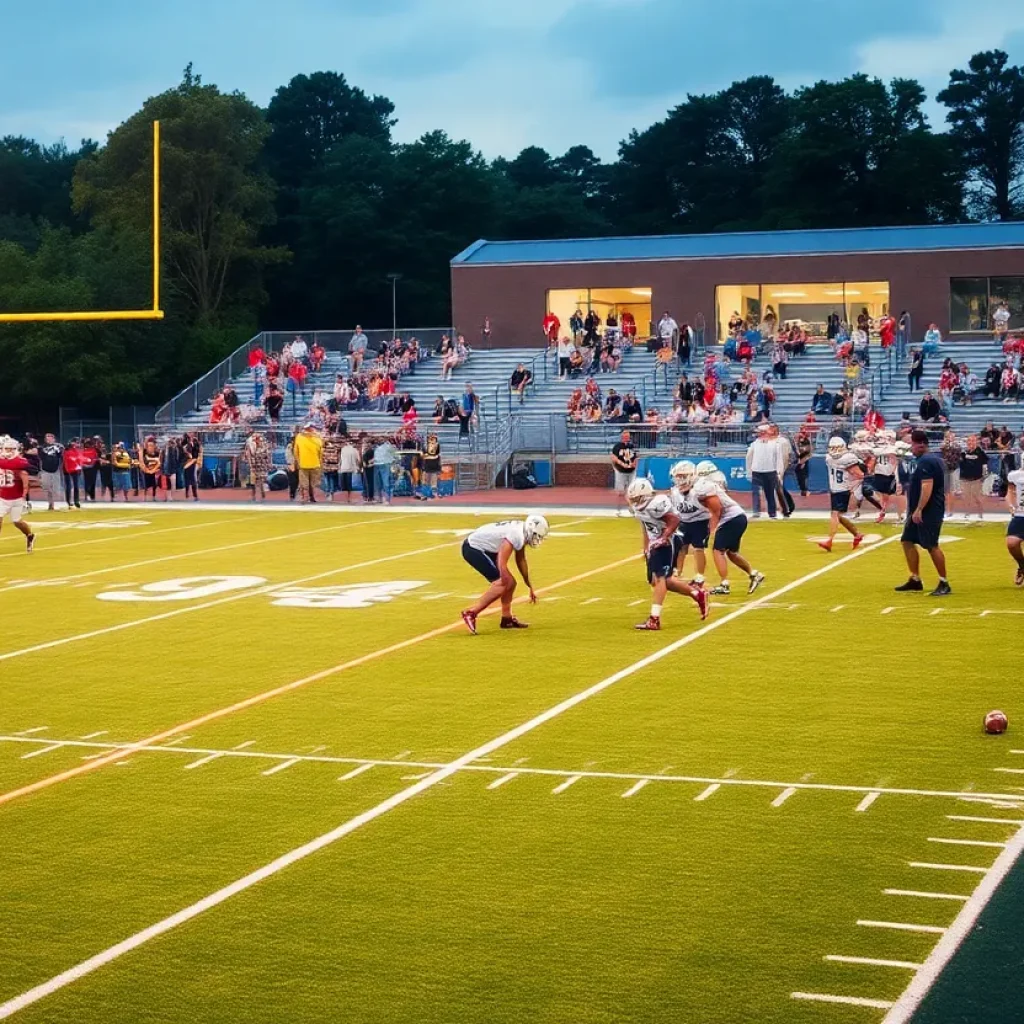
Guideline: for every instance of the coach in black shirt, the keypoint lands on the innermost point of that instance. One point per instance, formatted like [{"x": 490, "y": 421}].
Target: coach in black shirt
[
  {"x": 926, "y": 505},
  {"x": 973, "y": 469}
]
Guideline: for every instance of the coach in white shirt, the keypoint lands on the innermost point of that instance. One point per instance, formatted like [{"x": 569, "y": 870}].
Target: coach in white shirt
[
  {"x": 786, "y": 457},
  {"x": 764, "y": 469}
]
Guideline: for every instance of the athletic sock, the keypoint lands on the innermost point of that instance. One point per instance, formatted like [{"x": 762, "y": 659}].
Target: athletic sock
[
  {"x": 655, "y": 611},
  {"x": 915, "y": 577}
]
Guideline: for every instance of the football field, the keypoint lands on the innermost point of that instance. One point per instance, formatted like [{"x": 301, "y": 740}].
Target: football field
[{"x": 253, "y": 768}]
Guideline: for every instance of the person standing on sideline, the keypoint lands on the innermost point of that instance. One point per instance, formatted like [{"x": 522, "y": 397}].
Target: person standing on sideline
[
  {"x": 368, "y": 469},
  {"x": 951, "y": 453},
  {"x": 73, "y": 483},
  {"x": 624, "y": 465},
  {"x": 973, "y": 470},
  {"x": 170, "y": 465},
  {"x": 431, "y": 467},
  {"x": 348, "y": 467},
  {"x": 785, "y": 457},
  {"x": 308, "y": 450},
  {"x": 804, "y": 452},
  {"x": 257, "y": 454},
  {"x": 121, "y": 469},
  {"x": 384, "y": 456},
  {"x": 764, "y": 461},
  {"x": 90, "y": 458},
  {"x": 51, "y": 459},
  {"x": 926, "y": 503},
  {"x": 916, "y": 371},
  {"x": 192, "y": 458}
]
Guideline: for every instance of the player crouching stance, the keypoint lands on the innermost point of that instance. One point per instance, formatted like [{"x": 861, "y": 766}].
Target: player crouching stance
[
  {"x": 1015, "y": 531},
  {"x": 844, "y": 470},
  {"x": 14, "y": 488},
  {"x": 488, "y": 550},
  {"x": 659, "y": 523}
]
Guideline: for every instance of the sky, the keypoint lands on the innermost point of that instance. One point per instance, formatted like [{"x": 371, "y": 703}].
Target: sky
[{"x": 503, "y": 74}]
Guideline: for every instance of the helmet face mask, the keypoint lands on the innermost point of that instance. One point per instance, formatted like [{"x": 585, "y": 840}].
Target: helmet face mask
[
  {"x": 640, "y": 494},
  {"x": 684, "y": 473},
  {"x": 535, "y": 529},
  {"x": 9, "y": 448},
  {"x": 836, "y": 446},
  {"x": 706, "y": 468}
]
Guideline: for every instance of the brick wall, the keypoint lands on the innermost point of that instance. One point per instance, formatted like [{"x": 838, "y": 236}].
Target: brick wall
[{"x": 583, "y": 474}]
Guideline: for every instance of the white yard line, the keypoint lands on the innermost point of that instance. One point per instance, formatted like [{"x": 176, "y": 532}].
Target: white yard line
[
  {"x": 967, "y": 842},
  {"x": 993, "y": 821},
  {"x": 41, "y": 750},
  {"x": 900, "y": 926},
  {"x": 705, "y": 793},
  {"x": 589, "y": 600},
  {"x": 925, "y": 895},
  {"x": 243, "y": 746},
  {"x": 274, "y": 867},
  {"x": 948, "y": 867},
  {"x": 868, "y": 801},
  {"x": 1010, "y": 771},
  {"x": 838, "y": 608},
  {"x": 783, "y": 796},
  {"x": 635, "y": 788},
  {"x": 30, "y": 732},
  {"x": 907, "y": 1004},
  {"x": 886, "y": 611},
  {"x": 563, "y": 786},
  {"x": 93, "y": 735},
  {"x": 203, "y": 760},
  {"x": 281, "y": 767},
  {"x": 504, "y": 778},
  {"x": 821, "y": 997},
  {"x": 355, "y": 771},
  {"x": 872, "y": 962}
]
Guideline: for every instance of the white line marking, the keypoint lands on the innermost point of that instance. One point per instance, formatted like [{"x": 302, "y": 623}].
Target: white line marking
[
  {"x": 176, "y": 741},
  {"x": 994, "y": 821},
  {"x": 243, "y": 595},
  {"x": 93, "y": 963},
  {"x": 899, "y": 926},
  {"x": 984, "y": 613},
  {"x": 704, "y": 794},
  {"x": 871, "y": 962},
  {"x": 948, "y": 867},
  {"x": 886, "y": 611},
  {"x": 907, "y": 1004},
  {"x": 242, "y": 746},
  {"x": 783, "y": 797},
  {"x": 281, "y": 767},
  {"x": 355, "y": 771},
  {"x": 401, "y": 755},
  {"x": 820, "y": 997},
  {"x": 202, "y": 761},
  {"x": 1010, "y": 771},
  {"x": 93, "y": 735},
  {"x": 936, "y": 611},
  {"x": 41, "y": 750},
  {"x": 635, "y": 788},
  {"x": 590, "y": 600},
  {"x": 868, "y": 801},
  {"x": 436, "y": 597},
  {"x": 413, "y": 778},
  {"x": 839, "y": 607},
  {"x": 30, "y": 732},
  {"x": 563, "y": 786},
  {"x": 552, "y": 598},
  {"x": 501, "y": 782},
  {"x": 633, "y": 604},
  {"x": 968, "y": 842},
  {"x": 925, "y": 895}
]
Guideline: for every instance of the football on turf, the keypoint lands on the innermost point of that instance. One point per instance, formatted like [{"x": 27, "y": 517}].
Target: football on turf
[{"x": 996, "y": 722}]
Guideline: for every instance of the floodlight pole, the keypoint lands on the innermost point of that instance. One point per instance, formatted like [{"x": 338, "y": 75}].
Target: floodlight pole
[{"x": 156, "y": 216}]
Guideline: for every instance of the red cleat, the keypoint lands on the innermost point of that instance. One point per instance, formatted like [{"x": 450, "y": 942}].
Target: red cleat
[
  {"x": 880, "y": 518},
  {"x": 653, "y": 623},
  {"x": 825, "y": 545},
  {"x": 858, "y": 540},
  {"x": 513, "y": 623},
  {"x": 470, "y": 620},
  {"x": 703, "y": 603}
]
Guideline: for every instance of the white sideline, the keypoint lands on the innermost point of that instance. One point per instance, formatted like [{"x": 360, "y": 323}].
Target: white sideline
[
  {"x": 286, "y": 860},
  {"x": 907, "y": 1004}
]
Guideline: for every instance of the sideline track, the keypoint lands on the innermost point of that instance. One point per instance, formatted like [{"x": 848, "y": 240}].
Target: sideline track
[{"x": 92, "y": 964}]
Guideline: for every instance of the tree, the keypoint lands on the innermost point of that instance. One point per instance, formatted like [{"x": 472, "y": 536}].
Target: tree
[
  {"x": 986, "y": 118},
  {"x": 214, "y": 197}
]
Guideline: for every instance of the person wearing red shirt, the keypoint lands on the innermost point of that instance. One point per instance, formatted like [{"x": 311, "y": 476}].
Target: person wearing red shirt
[
  {"x": 90, "y": 458},
  {"x": 73, "y": 482},
  {"x": 256, "y": 356},
  {"x": 297, "y": 374},
  {"x": 874, "y": 421},
  {"x": 551, "y": 325},
  {"x": 14, "y": 488},
  {"x": 316, "y": 356},
  {"x": 887, "y": 330}
]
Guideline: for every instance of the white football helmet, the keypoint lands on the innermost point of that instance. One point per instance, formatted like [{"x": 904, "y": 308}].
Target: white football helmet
[
  {"x": 536, "y": 529},
  {"x": 9, "y": 448},
  {"x": 836, "y": 447},
  {"x": 902, "y": 449},
  {"x": 640, "y": 493},
  {"x": 684, "y": 473},
  {"x": 706, "y": 468}
]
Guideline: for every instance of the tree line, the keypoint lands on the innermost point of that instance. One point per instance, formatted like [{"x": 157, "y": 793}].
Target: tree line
[{"x": 293, "y": 216}]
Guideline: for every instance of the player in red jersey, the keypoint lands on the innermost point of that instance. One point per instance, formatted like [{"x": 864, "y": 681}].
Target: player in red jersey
[{"x": 14, "y": 488}]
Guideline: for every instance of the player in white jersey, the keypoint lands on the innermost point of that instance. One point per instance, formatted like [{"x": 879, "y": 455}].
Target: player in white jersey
[
  {"x": 844, "y": 471},
  {"x": 659, "y": 523},
  {"x": 726, "y": 525},
  {"x": 884, "y": 478},
  {"x": 488, "y": 549},
  {"x": 693, "y": 520},
  {"x": 1015, "y": 531}
]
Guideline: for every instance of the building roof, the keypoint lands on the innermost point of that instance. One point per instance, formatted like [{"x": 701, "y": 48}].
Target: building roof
[{"x": 925, "y": 238}]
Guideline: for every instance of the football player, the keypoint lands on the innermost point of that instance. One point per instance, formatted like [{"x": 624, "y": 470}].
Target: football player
[
  {"x": 884, "y": 478},
  {"x": 488, "y": 550},
  {"x": 1015, "y": 531},
  {"x": 726, "y": 525},
  {"x": 14, "y": 488},
  {"x": 659, "y": 523},
  {"x": 844, "y": 470},
  {"x": 693, "y": 520},
  {"x": 863, "y": 490}
]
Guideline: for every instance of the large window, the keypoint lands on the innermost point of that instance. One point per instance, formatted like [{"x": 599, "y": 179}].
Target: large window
[
  {"x": 563, "y": 302},
  {"x": 809, "y": 305},
  {"x": 973, "y": 300}
]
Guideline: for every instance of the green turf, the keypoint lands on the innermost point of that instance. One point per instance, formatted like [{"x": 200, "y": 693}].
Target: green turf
[{"x": 470, "y": 903}]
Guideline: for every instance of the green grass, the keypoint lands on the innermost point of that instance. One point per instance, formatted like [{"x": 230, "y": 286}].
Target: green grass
[{"x": 468, "y": 903}]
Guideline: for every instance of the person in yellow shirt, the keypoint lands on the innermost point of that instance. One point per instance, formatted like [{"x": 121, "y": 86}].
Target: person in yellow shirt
[{"x": 308, "y": 447}]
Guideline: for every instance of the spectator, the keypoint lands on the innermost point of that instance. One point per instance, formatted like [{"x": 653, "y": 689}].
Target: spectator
[
  {"x": 316, "y": 356},
  {"x": 551, "y": 325},
  {"x": 887, "y": 330},
  {"x": 686, "y": 339},
  {"x": 520, "y": 380},
  {"x": 874, "y": 421},
  {"x": 576, "y": 325},
  {"x": 349, "y": 467},
  {"x": 1001, "y": 321},
  {"x": 804, "y": 451},
  {"x": 993, "y": 381},
  {"x": 291, "y": 467},
  {"x": 149, "y": 466},
  {"x": 613, "y": 406},
  {"x": 916, "y": 371},
  {"x": 780, "y": 359},
  {"x": 297, "y": 383},
  {"x": 308, "y": 458},
  {"x": 821, "y": 402},
  {"x": 1009, "y": 387},
  {"x": 735, "y": 322},
  {"x": 861, "y": 399},
  {"x": 384, "y": 456},
  {"x": 438, "y": 415},
  {"x": 273, "y": 366},
  {"x": 842, "y": 402},
  {"x": 300, "y": 351},
  {"x": 951, "y": 454},
  {"x": 357, "y": 346},
  {"x": 810, "y": 425},
  {"x": 51, "y": 464},
  {"x": 973, "y": 470},
  {"x": 192, "y": 463},
  {"x": 632, "y": 410},
  {"x": 367, "y": 468},
  {"x": 257, "y": 455},
  {"x": 628, "y": 327},
  {"x": 431, "y": 467},
  {"x": 929, "y": 410},
  {"x": 576, "y": 362},
  {"x": 668, "y": 330},
  {"x": 861, "y": 346},
  {"x": 273, "y": 402},
  {"x": 329, "y": 455},
  {"x": 610, "y": 357},
  {"x": 471, "y": 404},
  {"x": 259, "y": 380},
  {"x": 170, "y": 466},
  {"x": 89, "y": 458},
  {"x": 932, "y": 339},
  {"x": 623, "y": 457},
  {"x": 764, "y": 463},
  {"x": 967, "y": 385},
  {"x": 455, "y": 358},
  {"x": 591, "y": 325},
  {"x": 121, "y": 469}
]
